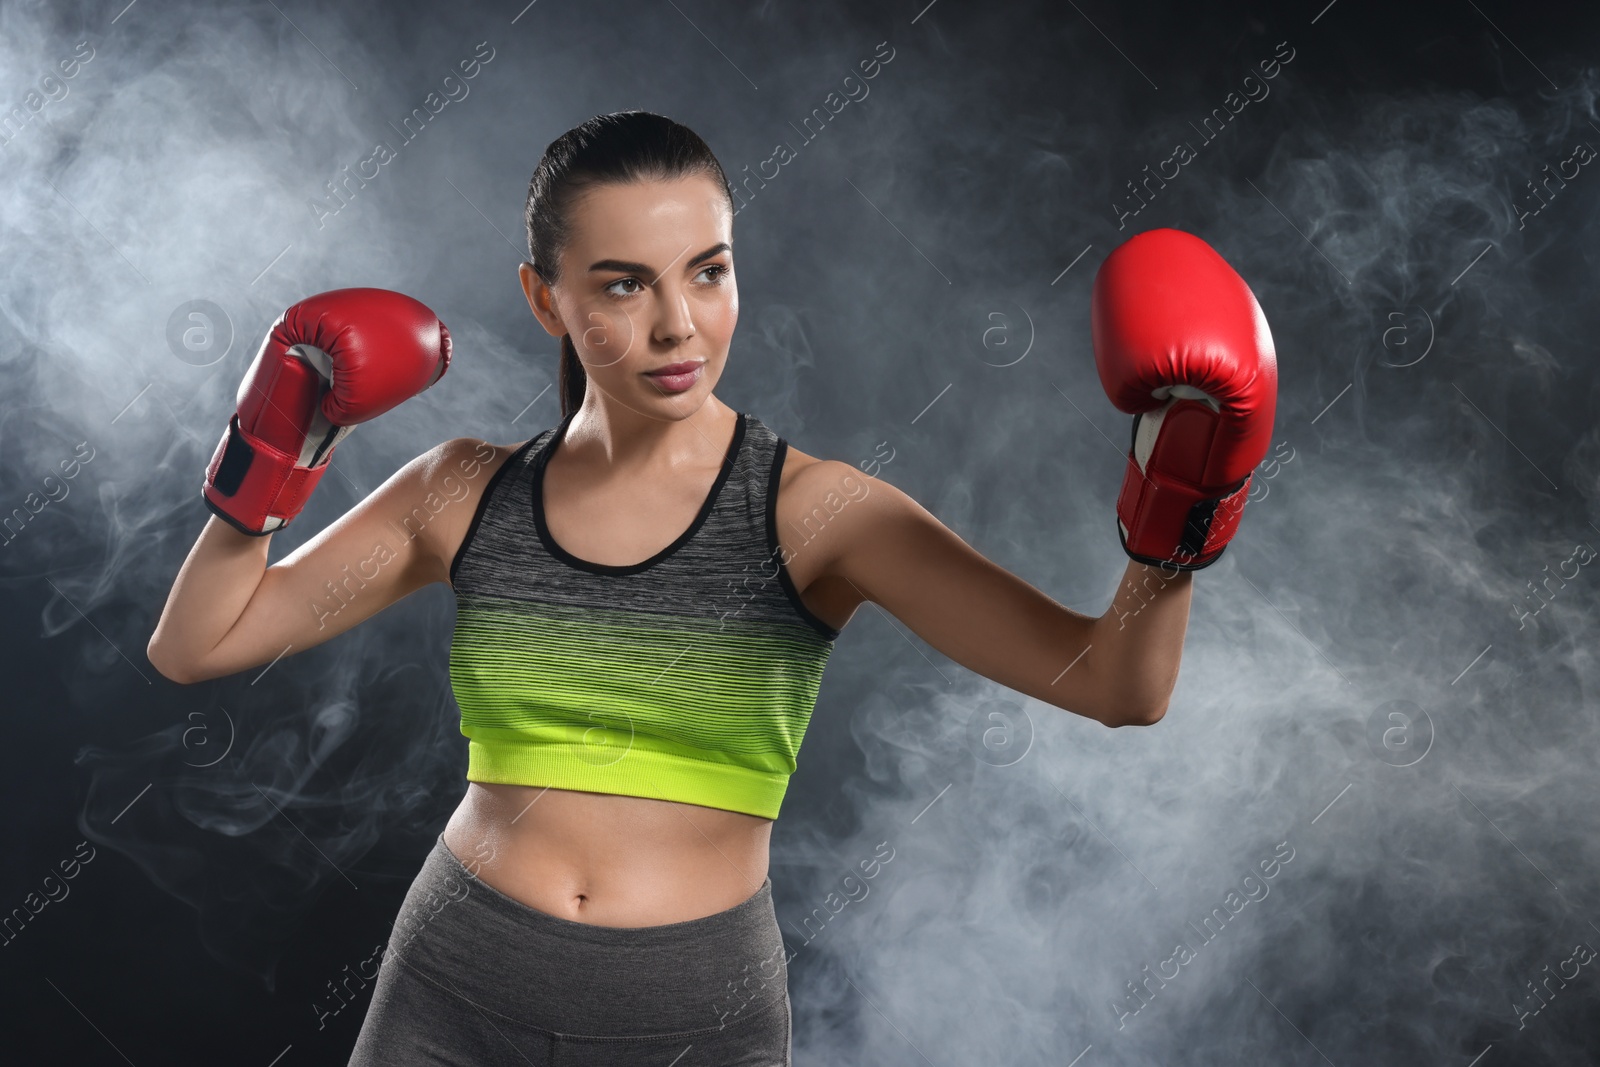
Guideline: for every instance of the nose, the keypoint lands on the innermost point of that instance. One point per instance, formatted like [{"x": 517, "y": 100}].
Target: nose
[{"x": 674, "y": 323}]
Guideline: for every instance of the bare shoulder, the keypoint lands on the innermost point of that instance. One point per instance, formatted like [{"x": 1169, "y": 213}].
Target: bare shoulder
[
  {"x": 795, "y": 460},
  {"x": 807, "y": 484},
  {"x": 800, "y": 483},
  {"x": 445, "y": 486},
  {"x": 822, "y": 510},
  {"x": 807, "y": 476}
]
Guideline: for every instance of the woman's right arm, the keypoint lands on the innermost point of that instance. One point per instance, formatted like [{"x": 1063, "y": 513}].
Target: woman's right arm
[{"x": 229, "y": 611}]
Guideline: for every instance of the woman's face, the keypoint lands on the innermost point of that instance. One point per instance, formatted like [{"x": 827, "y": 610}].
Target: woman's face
[{"x": 646, "y": 281}]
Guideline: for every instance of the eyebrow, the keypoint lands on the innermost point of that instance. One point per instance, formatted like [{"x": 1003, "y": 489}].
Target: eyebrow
[{"x": 627, "y": 267}]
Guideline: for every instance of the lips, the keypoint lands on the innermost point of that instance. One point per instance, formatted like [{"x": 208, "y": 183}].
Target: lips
[
  {"x": 677, "y": 377},
  {"x": 676, "y": 368}
]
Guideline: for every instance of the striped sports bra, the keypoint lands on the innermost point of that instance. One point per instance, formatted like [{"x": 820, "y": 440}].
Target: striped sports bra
[{"x": 690, "y": 676}]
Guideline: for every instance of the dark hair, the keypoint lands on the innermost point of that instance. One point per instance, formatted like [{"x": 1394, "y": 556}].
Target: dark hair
[{"x": 624, "y": 146}]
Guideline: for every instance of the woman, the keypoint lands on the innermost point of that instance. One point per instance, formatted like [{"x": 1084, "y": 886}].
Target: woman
[{"x": 647, "y": 595}]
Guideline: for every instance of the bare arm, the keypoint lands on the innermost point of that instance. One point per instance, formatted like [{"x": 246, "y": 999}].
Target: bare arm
[
  {"x": 229, "y": 611},
  {"x": 1118, "y": 669},
  {"x": 1140, "y": 636}
]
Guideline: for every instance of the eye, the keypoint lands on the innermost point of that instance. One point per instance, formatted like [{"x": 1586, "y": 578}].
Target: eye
[
  {"x": 721, "y": 272},
  {"x": 619, "y": 281}
]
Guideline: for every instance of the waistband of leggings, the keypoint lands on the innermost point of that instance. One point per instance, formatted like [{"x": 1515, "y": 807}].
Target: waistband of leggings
[{"x": 753, "y": 915}]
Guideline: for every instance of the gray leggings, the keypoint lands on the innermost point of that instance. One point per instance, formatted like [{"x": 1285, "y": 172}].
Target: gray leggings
[{"x": 471, "y": 976}]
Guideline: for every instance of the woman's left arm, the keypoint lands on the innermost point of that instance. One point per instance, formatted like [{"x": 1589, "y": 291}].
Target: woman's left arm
[
  {"x": 1182, "y": 345},
  {"x": 1118, "y": 669}
]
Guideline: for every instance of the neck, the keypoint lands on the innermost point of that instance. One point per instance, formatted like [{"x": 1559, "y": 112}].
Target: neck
[{"x": 623, "y": 440}]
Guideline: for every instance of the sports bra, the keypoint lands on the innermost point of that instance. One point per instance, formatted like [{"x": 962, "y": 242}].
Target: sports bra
[{"x": 690, "y": 676}]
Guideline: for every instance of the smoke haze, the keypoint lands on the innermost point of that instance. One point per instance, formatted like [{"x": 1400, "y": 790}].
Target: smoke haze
[{"x": 1388, "y": 691}]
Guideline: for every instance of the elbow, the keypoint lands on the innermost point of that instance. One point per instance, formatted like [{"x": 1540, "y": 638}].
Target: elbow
[
  {"x": 170, "y": 669},
  {"x": 1134, "y": 715}
]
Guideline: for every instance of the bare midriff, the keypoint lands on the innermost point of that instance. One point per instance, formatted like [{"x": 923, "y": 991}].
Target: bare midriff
[{"x": 606, "y": 859}]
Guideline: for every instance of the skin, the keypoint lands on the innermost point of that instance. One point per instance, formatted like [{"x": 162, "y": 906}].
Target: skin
[{"x": 629, "y": 477}]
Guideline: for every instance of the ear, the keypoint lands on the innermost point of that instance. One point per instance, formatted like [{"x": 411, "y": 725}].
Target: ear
[{"x": 540, "y": 299}]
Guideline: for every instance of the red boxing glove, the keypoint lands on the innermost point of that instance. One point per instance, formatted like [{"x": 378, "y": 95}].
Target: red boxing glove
[
  {"x": 329, "y": 362},
  {"x": 1183, "y": 347}
]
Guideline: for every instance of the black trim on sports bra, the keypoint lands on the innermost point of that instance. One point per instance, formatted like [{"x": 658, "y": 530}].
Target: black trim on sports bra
[
  {"x": 549, "y": 542},
  {"x": 780, "y": 453},
  {"x": 483, "y": 501}
]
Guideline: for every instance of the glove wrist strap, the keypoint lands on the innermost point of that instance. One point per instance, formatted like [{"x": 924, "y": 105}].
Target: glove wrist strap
[
  {"x": 256, "y": 488},
  {"x": 1165, "y": 521}
]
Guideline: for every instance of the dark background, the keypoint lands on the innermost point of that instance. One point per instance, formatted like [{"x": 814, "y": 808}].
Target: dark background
[{"x": 906, "y": 291}]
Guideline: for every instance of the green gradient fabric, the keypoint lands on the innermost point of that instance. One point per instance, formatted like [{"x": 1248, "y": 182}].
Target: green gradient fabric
[{"x": 689, "y": 676}]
